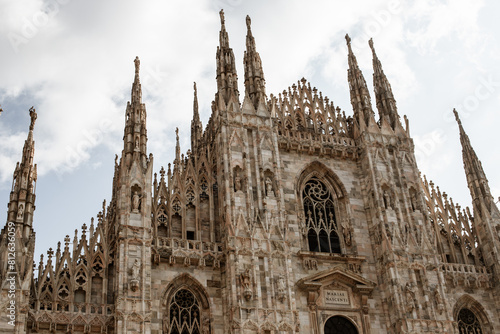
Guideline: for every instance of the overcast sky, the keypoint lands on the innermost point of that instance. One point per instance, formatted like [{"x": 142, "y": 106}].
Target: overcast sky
[{"x": 73, "y": 61}]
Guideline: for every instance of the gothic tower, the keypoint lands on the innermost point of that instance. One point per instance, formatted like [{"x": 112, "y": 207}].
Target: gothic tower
[
  {"x": 486, "y": 213},
  {"x": 131, "y": 220},
  {"x": 17, "y": 240}
]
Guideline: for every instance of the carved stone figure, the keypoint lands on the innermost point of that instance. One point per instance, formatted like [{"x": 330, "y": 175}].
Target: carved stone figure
[
  {"x": 20, "y": 211},
  {"x": 439, "y": 301},
  {"x": 346, "y": 231},
  {"x": 246, "y": 282},
  {"x": 269, "y": 187},
  {"x": 410, "y": 297},
  {"x": 135, "y": 275},
  {"x": 135, "y": 202},
  {"x": 237, "y": 182},
  {"x": 281, "y": 285}
]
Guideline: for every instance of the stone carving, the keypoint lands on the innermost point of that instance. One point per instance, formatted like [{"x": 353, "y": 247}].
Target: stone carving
[
  {"x": 136, "y": 143},
  {"x": 387, "y": 200},
  {"x": 439, "y": 300},
  {"x": 20, "y": 211},
  {"x": 346, "y": 231},
  {"x": 135, "y": 275},
  {"x": 411, "y": 302},
  {"x": 205, "y": 329},
  {"x": 136, "y": 201},
  {"x": 269, "y": 187},
  {"x": 281, "y": 287},
  {"x": 246, "y": 283}
]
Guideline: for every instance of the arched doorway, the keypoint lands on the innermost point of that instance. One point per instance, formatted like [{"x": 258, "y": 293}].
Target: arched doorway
[{"x": 340, "y": 325}]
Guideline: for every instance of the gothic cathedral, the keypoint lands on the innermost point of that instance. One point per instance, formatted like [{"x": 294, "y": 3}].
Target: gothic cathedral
[{"x": 285, "y": 216}]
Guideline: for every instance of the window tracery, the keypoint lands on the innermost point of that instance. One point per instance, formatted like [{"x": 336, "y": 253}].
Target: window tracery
[
  {"x": 321, "y": 224},
  {"x": 184, "y": 312},
  {"x": 468, "y": 322}
]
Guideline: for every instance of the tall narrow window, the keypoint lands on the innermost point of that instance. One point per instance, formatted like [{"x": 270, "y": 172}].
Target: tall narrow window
[
  {"x": 184, "y": 313},
  {"x": 468, "y": 322},
  {"x": 320, "y": 217}
]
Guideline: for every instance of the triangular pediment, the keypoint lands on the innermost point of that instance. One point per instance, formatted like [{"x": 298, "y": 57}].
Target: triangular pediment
[{"x": 338, "y": 274}]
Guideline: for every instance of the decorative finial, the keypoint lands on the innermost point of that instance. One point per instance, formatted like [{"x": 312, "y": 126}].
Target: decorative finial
[
  {"x": 221, "y": 13},
  {"x": 370, "y": 42},
  {"x": 249, "y": 22},
  {"x": 137, "y": 64},
  {"x": 33, "y": 118},
  {"x": 195, "y": 90},
  {"x": 456, "y": 116},
  {"x": 177, "y": 134},
  {"x": 348, "y": 39},
  {"x": 50, "y": 253}
]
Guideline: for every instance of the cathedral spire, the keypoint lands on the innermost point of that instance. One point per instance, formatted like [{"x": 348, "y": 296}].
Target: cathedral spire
[
  {"x": 476, "y": 178},
  {"x": 135, "y": 134},
  {"x": 386, "y": 104},
  {"x": 360, "y": 97},
  {"x": 196, "y": 115},
  {"x": 22, "y": 196},
  {"x": 196, "y": 127},
  {"x": 254, "y": 75},
  {"x": 17, "y": 238},
  {"x": 227, "y": 79}
]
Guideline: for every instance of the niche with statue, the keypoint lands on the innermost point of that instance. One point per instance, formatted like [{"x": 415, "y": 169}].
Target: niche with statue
[{"x": 136, "y": 199}]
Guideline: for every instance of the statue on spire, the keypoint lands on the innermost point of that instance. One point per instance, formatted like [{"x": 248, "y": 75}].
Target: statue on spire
[
  {"x": 33, "y": 118},
  {"x": 456, "y": 117},
  {"x": 221, "y": 13},
  {"x": 348, "y": 39},
  {"x": 249, "y": 21},
  {"x": 137, "y": 64}
]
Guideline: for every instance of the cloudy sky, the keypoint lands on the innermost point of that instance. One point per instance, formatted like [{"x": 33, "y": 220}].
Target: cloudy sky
[{"x": 73, "y": 61}]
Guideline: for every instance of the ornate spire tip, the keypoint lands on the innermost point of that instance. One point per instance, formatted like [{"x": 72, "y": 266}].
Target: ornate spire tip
[
  {"x": 249, "y": 22},
  {"x": 456, "y": 116},
  {"x": 137, "y": 64},
  {"x": 221, "y": 13},
  {"x": 348, "y": 39},
  {"x": 370, "y": 42},
  {"x": 33, "y": 116}
]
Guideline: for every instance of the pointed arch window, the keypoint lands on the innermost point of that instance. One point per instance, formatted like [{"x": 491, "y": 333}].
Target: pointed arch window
[
  {"x": 468, "y": 322},
  {"x": 184, "y": 313},
  {"x": 321, "y": 224}
]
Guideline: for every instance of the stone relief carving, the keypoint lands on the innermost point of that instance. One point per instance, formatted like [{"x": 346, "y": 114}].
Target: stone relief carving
[
  {"x": 246, "y": 283},
  {"x": 281, "y": 287},
  {"x": 135, "y": 275}
]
